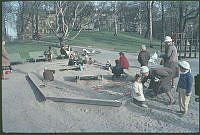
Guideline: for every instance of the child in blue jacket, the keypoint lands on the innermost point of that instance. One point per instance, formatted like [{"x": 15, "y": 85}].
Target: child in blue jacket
[{"x": 184, "y": 86}]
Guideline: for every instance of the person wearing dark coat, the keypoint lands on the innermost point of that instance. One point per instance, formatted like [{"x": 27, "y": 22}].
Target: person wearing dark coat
[
  {"x": 160, "y": 80},
  {"x": 117, "y": 70},
  {"x": 144, "y": 56}
]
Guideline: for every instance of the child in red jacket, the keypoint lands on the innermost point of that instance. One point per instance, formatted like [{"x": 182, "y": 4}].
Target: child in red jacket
[{"x": 123, "y": 61}]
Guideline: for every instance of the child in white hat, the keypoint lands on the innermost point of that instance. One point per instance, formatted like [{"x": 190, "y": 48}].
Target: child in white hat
[{"x": 184, "y": 86}]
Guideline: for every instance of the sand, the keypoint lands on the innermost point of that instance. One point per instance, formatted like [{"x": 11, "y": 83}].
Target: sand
[{"x": 22, "y": 112}]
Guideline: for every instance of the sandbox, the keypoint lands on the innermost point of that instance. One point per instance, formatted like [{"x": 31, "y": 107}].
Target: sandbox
[{"x": 65, "y": 88}]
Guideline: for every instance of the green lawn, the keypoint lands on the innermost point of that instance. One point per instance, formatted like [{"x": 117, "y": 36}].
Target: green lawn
[
  {"x": 124, "y": 41},
  {"x": 23, "y": 47}
]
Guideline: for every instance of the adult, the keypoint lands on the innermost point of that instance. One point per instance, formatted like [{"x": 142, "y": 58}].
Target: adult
[
  {"x": 62, "y": 51},
  {"x": 171, "y": 58},
  {"x": 5, "y": 61},
  {"x": 144, "y": 56},
  {"x": 160, "y": 80},
  {"x": 123, "y": 61}
]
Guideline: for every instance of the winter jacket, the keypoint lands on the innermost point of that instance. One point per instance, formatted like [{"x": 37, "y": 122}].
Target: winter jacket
[
  {"x": 164, "y": 75},
  {"x": 138, "y": 88},
  {"x": 124, "y": 62},
  {"x": 171, "y": 56},
  {"x": 143, "y": 58},
  {"x": 171, "y": 59},
  {"x": 117, "y": 70},
  {"x": 185, "y": 82}
]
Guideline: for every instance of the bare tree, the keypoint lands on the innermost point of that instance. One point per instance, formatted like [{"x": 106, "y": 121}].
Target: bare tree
[
  {"x": 163, "y": 18},
  {"x": 71, "y": 17},
  {"x": 115, "y": 18},
  {"x": 150, "y": 23},
  {"x": 8, "y": 10}
]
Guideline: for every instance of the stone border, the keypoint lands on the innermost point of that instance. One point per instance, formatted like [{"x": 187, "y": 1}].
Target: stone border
[{"x": 101, "y": 102}]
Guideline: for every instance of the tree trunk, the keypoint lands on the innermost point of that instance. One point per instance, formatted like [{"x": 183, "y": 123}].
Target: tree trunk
[
  {"x": 33, "y": 27},
  {"x": 163, "y": 19},
  {"x": 115, "y": 34},
  {"x": 180, "y": 16},
  {"x": 4, "y": 31},
  {"x": 150, "y": 24},
  {"x": 36, "y": 26},
  {"x": 61, "y": 41}
]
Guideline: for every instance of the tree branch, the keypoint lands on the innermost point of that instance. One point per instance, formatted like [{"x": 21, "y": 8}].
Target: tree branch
[
  {"x": 189, "y": 18},
  {"x": 193, "y": 11}
]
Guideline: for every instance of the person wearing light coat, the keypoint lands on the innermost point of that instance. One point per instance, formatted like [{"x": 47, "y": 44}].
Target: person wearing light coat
[{"x": 171, "y": 58}]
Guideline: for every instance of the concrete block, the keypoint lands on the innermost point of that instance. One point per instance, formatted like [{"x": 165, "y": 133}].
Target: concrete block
[
  {"x": 100, "y": 102},
  {"x": 34, "y": 81}
]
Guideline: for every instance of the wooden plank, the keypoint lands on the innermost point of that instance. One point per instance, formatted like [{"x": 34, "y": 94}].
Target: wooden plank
[{"x": 100, "y": 102}]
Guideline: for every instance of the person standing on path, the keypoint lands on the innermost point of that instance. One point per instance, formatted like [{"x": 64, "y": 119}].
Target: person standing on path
[
  {"x": 5, "y": 61},
  {"x": 144, "y": 56},
  {"x": 171, "y": 58},
  {"x": 184, "y": 87}
]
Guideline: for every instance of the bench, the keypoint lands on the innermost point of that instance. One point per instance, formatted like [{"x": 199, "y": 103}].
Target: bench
[
  {"x": 15, "y": 58},
  {"x": 39, "y": 55}
]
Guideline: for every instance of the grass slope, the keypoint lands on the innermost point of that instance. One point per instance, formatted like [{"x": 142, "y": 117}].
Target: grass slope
[{"x": 123, "y": 42}]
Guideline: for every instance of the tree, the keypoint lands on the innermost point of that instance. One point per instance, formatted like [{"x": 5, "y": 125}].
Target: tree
[
  {"x": 72, "y": 18},
  {"x": 150, "y": 23},
  {"x": 8, "y": 13},
  {"x": 115, "y": 18},
  {"x": 163, "y": 18}
]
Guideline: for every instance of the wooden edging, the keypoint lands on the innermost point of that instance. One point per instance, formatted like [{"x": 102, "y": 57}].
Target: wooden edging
[{"x": 101, "y": 102}]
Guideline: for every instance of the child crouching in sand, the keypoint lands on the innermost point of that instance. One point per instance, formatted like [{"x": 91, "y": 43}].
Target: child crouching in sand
[{"x": 137, "y": 91}]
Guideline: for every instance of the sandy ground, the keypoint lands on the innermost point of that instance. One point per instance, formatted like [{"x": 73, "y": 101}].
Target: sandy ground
[{"x": 22, "y": 112}]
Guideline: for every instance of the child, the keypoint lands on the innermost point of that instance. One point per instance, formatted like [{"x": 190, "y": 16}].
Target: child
[
  {"x": 90, "y": 61},
  {"x": 137, "y": 92},
  {"x": 184, "y": 86},
  {"x": 117, "y": 70},
  {"x": 108, "y": 65}
]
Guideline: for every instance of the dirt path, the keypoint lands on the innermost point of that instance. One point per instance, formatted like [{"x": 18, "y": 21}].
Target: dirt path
[{"x": 22, "y": 112}]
